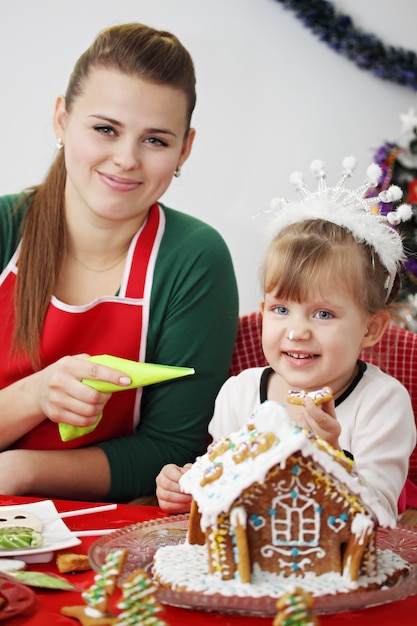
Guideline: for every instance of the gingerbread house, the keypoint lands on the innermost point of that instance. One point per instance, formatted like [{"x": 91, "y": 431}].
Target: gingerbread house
[{"x": 273, "y": 497}]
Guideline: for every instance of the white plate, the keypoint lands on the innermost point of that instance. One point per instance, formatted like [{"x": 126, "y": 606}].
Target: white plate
[{"x": 56, "y": 534}]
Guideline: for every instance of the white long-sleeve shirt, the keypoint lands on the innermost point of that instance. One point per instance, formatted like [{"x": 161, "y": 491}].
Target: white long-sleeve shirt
[{"x": 375, "y": 415}]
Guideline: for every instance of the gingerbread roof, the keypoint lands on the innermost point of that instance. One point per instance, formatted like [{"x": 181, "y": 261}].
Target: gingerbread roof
[{"x": 235, "y": 462}]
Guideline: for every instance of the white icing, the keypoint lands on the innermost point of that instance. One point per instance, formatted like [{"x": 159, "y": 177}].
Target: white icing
[
  {"x": 94, "y": 613},
  {"x": 361, "y": 527},
  {"x": 238, "y": 516},
  {"x": 169, "y": 568}
]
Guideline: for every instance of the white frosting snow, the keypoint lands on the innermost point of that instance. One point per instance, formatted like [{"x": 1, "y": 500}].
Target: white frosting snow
[{"x": 169, "y": 568}]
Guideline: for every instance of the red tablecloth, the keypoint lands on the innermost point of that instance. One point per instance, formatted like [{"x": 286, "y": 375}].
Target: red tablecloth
[{"x": 46, "y": 611}]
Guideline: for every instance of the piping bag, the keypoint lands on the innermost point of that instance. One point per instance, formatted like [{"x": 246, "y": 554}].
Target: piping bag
[{"x": 140, "y": 374}]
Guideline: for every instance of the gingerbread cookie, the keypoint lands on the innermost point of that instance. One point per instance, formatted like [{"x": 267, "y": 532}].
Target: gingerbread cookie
[
  {"x": 87, "y": 617},
  {"x": 139, "y": 604},
  {"x": 296, "y": 609},
  {"x": 213, "y": 473},
  {"x": 67, "y": 562},
  {"x": 319, "y": 397},
  {"x": 97, "y": 597}
]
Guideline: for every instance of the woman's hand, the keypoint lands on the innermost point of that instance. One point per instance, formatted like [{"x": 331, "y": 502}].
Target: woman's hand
[
  {"x": 57, "y": 393},
  {"x": 62, "y": 397},
  {"x": 168, "y": 492}
]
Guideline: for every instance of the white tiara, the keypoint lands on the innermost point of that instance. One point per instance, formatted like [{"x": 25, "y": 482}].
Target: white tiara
[{"x": 349, "y": 208}]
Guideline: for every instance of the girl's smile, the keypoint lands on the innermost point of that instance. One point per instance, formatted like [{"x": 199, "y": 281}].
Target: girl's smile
[{"x": 300, "y": 357}]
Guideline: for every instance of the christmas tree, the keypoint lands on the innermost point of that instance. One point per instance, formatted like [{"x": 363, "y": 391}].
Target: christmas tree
[
  {"x": 138, "y": 604},
  {"x": 398, "y": 162},
  {"x": 98, "y": 595}
]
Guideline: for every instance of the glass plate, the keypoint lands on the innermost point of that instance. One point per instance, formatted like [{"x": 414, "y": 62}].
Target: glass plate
[{"x": 143, "y": 539}]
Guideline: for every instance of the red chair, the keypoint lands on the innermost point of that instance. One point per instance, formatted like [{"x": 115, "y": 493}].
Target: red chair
[{"x": 395, "y": 353}]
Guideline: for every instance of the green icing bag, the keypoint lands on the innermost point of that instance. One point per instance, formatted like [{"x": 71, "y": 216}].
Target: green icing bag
[
  {"x": 42, "y": 579},
  {"x": 140, "y": 374}
]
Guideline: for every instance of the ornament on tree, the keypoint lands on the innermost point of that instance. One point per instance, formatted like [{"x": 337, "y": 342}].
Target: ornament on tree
[
  {"x": 398, "y": 162},
  {"x": 296, "y": 609}
]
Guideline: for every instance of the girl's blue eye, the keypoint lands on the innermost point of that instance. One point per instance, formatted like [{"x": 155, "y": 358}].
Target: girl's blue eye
[
  {"x": 324, "y": 315},
  {"x": 281, "y": 310}
]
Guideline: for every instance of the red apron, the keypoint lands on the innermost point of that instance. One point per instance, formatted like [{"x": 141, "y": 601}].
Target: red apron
[{"x": 116, "y": 325}]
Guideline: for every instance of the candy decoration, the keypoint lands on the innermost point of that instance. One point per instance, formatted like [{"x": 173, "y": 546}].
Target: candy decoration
[
  {"x": 19, "y": 537},
  {"x": 295, "y": 609}
]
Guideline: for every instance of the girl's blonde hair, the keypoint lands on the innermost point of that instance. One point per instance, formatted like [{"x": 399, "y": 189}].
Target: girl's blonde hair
[
  {"x": 309, "y": 257},
  {"x": 133, "y": 49}
]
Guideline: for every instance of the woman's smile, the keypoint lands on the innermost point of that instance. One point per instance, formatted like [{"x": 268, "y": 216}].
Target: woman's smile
[{"x": 117, "y": 183}]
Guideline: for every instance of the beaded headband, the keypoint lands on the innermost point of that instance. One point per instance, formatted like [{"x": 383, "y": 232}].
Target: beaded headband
[{"x": 350, "y": 209}]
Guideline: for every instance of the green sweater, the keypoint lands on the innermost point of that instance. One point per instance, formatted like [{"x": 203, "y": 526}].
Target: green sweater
[{"x": 193, "y": 322}]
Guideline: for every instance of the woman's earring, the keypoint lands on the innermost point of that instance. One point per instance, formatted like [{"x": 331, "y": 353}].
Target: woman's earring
[
  {"x": 59, "y": 143},
  {"x": 177, "y": 172}
]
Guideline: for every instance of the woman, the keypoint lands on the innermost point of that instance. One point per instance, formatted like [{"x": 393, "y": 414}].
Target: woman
[{"x": 102, "y": 267}]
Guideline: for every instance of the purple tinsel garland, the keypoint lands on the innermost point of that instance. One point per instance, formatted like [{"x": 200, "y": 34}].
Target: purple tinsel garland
[{"x": 364, "y": 49}]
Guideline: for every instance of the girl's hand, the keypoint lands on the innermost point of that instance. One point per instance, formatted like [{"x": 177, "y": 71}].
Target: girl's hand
[
  {"x": 168, "y": 492},
  {"x": 321, "y": 420},
  {"x": 62, "y": 397}
]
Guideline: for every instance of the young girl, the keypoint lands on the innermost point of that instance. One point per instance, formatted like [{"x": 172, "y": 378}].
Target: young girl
[
  {"x": 327, "y": 288},
  {"x": 104, "y": 268}
]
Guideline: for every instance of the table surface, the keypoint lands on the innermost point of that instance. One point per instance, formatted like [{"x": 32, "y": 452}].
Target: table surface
[{"x": 46, "y": 610}]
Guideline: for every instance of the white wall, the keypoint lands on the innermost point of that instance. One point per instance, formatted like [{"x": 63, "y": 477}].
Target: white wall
[{"x": 271, "y": 97}]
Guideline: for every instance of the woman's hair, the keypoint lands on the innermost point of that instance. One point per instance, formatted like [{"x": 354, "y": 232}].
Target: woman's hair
[
  {"x": 132, "y": 49},
  {"x": 137, "y": 50},
  {"x": 309, "y": 257}
]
